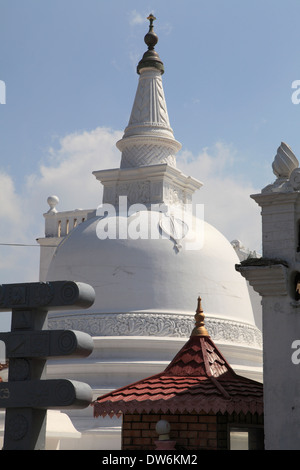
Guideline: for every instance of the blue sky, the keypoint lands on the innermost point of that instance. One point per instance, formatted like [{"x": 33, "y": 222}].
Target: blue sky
[
  {"x": 70, "y": 72},
  {"x": 69, "y": 65}
]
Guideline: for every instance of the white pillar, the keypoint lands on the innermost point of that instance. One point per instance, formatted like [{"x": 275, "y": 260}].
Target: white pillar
[{"x": 274, "y": 277}]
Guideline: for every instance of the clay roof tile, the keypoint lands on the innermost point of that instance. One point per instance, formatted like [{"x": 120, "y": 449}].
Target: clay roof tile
[{"x": 198, "y": 379}]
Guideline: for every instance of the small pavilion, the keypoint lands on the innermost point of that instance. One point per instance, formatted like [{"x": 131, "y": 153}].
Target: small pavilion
[{"x": 198, "y": 401}]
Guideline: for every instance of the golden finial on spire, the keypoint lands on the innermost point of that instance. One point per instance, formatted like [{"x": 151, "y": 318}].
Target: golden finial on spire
[
  {"x": 151, "y": 18},
  {"x": 199, "y": 329}
]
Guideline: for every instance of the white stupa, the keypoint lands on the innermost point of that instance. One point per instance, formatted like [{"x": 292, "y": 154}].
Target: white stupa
[{"x": 147, "y": 266}]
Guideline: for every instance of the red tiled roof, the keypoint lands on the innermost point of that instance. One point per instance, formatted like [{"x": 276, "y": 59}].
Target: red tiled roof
[{"x": 198, "y": 379}]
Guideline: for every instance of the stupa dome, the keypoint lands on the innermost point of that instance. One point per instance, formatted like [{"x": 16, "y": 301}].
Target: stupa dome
[{"x": 148, "y": 286}]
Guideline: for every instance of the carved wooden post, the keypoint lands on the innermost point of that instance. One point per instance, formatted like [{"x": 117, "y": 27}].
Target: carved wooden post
[{"x": 27, "y": 395}]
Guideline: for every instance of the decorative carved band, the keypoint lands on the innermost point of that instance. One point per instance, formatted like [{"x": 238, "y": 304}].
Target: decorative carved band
[
  {"x": 147, "y": 154},
  {"x": 141, "y": 324}
]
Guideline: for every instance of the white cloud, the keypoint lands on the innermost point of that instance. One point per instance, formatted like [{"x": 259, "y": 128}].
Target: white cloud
[
  {"x": 16, "y": 262},
  {"x": 68, "y": 171},
  {"x": 166, "y": 28},
  {"x": 9, "y": 201},
  {"x": 136, "y": 18},
  {"x": 225, "y": 194}
]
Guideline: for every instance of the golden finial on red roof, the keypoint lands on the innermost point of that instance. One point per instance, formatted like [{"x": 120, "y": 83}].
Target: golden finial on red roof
[{"x": 199, "y": 329}]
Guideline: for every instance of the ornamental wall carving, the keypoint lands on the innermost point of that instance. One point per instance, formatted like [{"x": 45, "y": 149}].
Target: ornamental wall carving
[
  {"x": 140, "y": 324},
  {"x": 146, "y": 192},
  {"x": 136, "y": 192},
  {"x": 150, "y": 104},
  {"x": 147, "y": 154}
]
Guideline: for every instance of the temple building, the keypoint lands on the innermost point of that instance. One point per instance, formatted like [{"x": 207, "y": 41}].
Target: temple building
[{"x": 148, "y": 253}]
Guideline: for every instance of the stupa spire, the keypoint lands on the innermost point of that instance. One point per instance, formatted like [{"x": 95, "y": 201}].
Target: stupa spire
[
  {"x": 148, "y": 173},
  {"x": 148, "y": 139}
]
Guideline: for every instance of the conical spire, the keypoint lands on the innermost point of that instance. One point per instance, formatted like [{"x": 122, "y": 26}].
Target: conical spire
[{"x": 148, "y": 139}]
